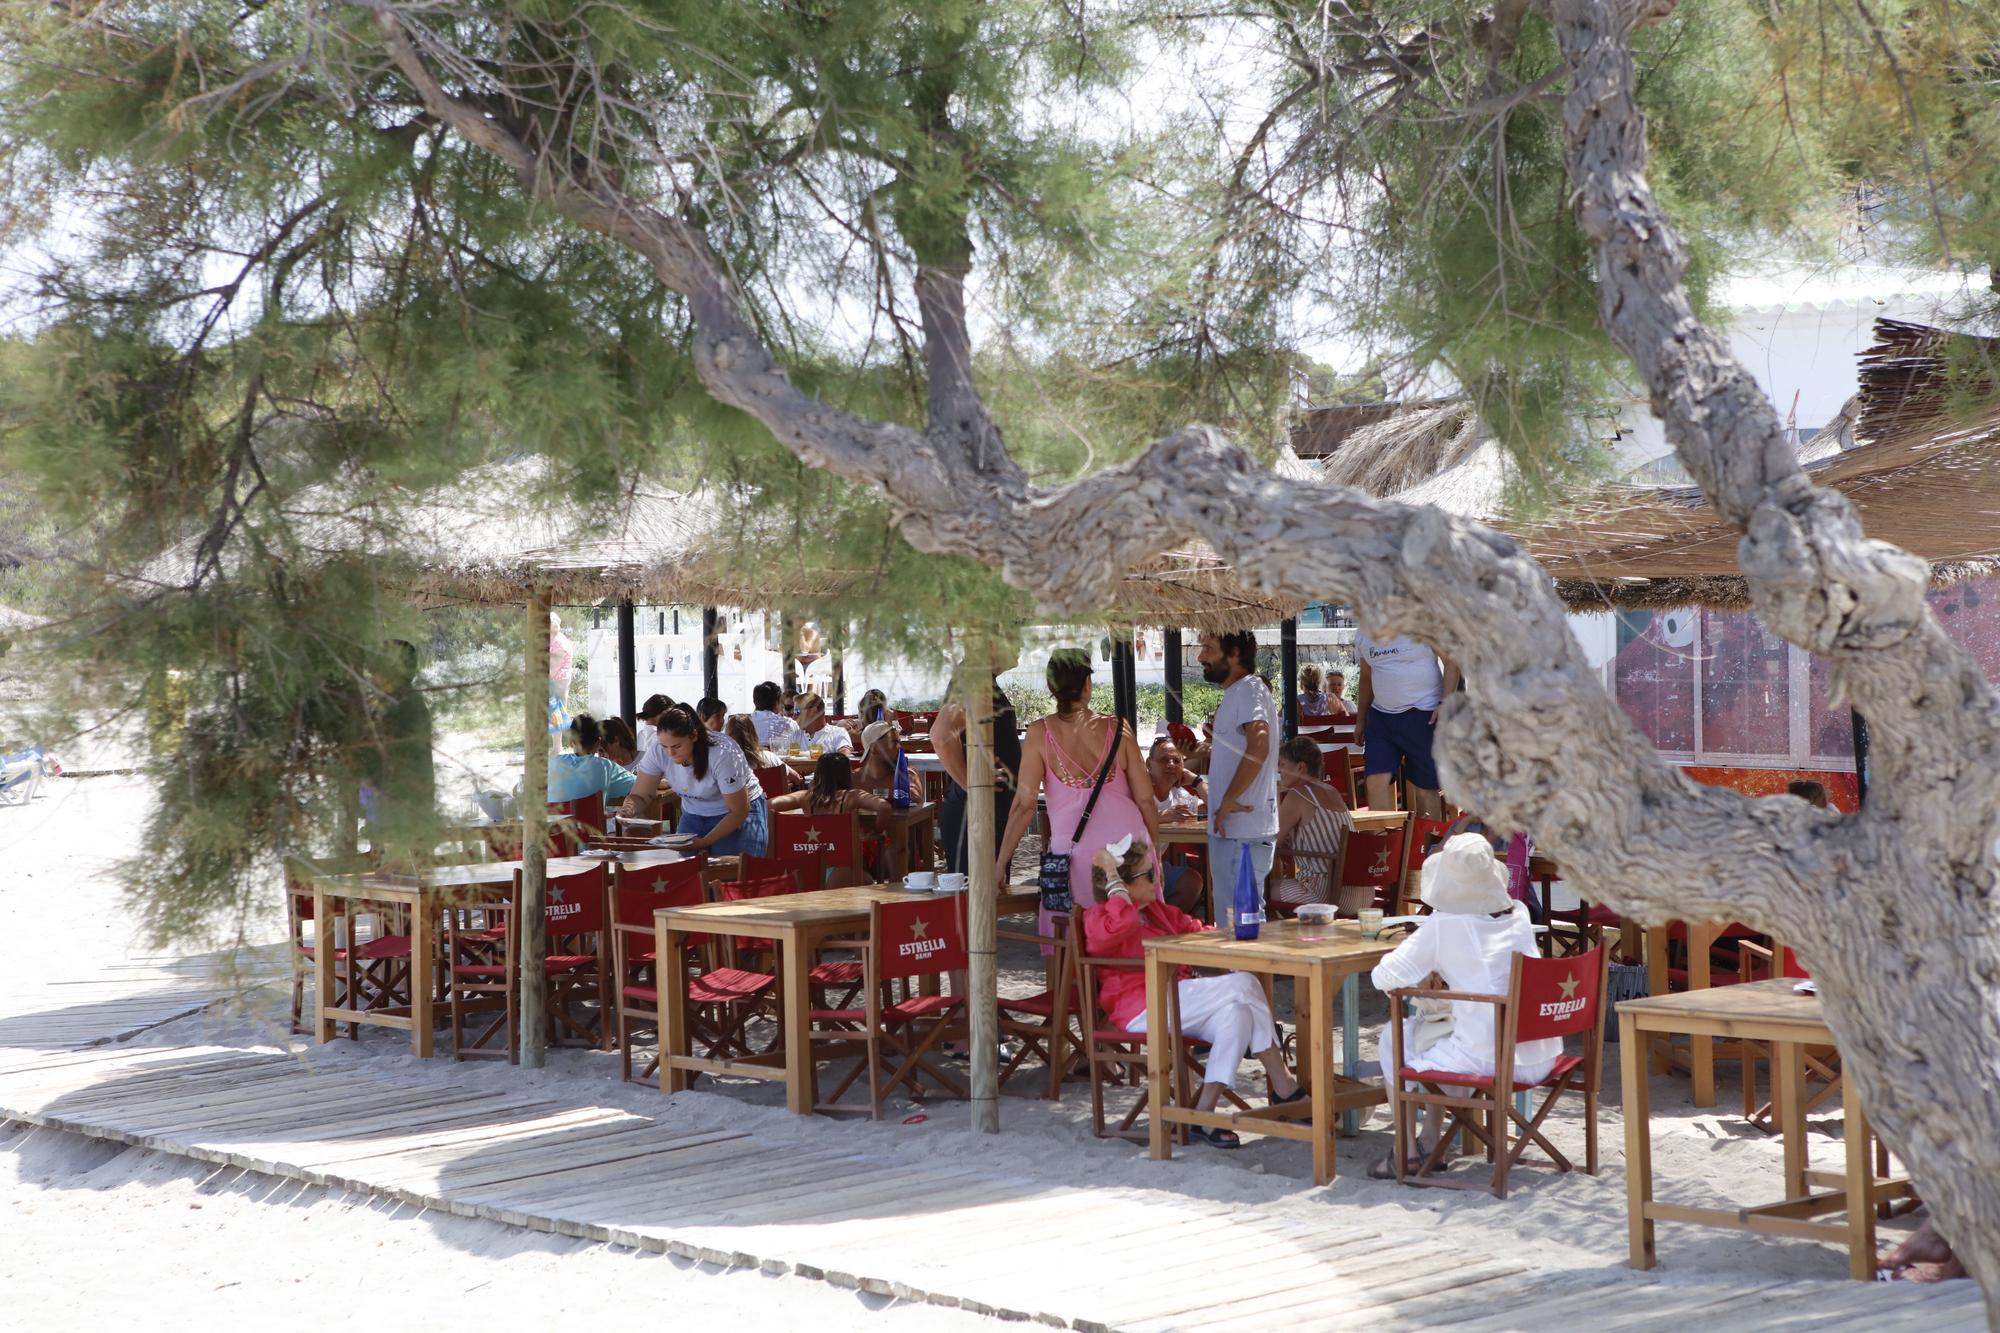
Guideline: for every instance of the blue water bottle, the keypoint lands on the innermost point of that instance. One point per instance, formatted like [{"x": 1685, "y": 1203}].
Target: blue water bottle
[
  {"x": 900, "y": 796},
  {"x": 1249, "y": 909}
]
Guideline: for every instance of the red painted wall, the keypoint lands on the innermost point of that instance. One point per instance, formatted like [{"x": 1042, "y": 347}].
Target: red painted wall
[{"x": 1840, "y": 787}]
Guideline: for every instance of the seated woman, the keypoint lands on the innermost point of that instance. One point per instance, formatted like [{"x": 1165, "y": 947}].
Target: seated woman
[
  {"x": 722, "y": 807},
  {"x": 616, "y": 742},
  {"x": 1469, "y": 939},
  {"x": 1229, "y": 1012},
  {"x": 712, "y": 713},
  {"x": 742, "y": 729},
  {"x": 831, "y": 791},
  {"x": 874, "y": 707},
  {"x": 1313, "y": 824},
  {"x": 579, "y": 771},
  {"x": 1313, "y": 701}
]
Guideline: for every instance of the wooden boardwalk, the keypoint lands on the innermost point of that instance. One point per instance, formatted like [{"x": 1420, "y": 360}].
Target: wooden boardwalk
[{"x": 987, "y": 1240}]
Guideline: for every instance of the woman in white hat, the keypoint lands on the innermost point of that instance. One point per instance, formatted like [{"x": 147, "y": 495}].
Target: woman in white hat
[{"x": 1470, "y": 939}]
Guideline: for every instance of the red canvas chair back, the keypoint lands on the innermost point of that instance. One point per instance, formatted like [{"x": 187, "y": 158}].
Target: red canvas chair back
[
  {"x": 750, "y": 869},
  {"x": 918, "y": 938},
  {"x": 1373, "y": 859},
  {"x": 1556, "y": 997},
  {"x": 1319, "y": 720},
  {"x": 585, "y": 823},
  {"x": 1421, "y": 838},
  {"x": 640, "y": 893},
  {"x": 775, "y": 780},
  {"x": 574, "y": 904},
  {"x": 743, "y": 890},
  {"x": 813, "y": 844},
  {"x": 1339, "y": 773}
]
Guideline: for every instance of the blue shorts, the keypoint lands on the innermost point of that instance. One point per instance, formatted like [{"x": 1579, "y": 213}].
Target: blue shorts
[
  {"x": 1396, "y": 740},
  {"x": 751, "y": 838}
]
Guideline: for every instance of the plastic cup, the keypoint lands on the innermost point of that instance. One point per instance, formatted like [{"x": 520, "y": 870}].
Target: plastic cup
[{"x": 1371, "y": 922}]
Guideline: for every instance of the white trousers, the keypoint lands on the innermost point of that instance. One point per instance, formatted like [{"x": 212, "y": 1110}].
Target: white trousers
[{"x": 1228, "y": 1012}]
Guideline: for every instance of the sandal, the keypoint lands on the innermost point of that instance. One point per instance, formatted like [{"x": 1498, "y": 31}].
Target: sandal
[
  {"x": 1384, "y": 1167},
  {"x": 1297, "y": 1095},
  {"x": 1215, "y": 1138}
]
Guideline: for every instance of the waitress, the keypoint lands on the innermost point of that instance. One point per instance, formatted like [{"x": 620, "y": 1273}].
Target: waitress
[
  {"x": 722, "y": 805},
  {"x": 948, "y": 739}
]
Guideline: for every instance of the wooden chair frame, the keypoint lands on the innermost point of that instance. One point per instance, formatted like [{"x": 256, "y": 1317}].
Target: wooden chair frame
[
  {"x": 1486, "y": 1114},
  {"x": 1041, "y": 1023},
  {"x": 908, "y": 1039}
]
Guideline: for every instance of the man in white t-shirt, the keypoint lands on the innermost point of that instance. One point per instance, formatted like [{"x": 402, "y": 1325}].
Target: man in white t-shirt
[
  {"x": 1402, "y": 684},
  {"x": 1242, "y": 768},
  {"x": 818, "y": 735},
  {"x": 774, "y": 729}
]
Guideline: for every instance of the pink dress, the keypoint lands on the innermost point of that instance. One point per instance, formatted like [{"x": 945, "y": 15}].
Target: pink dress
[{"x": 1066, "y": 784}]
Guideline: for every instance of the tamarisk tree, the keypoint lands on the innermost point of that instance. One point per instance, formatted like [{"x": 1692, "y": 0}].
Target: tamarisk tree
[{"x": 713, "y": 155}]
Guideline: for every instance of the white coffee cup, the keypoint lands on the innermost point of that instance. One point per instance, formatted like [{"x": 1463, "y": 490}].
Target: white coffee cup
[
  {"x": 951, "y": 882},
  {"x": 920, "y": 881}
]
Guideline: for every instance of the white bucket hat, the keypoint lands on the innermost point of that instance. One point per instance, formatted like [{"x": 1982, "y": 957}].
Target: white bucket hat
[
  {"x": 1464, "y": 877},
  {"x": 874, "y": 732}
]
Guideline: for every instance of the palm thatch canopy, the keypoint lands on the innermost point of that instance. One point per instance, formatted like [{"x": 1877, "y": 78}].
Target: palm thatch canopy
[
  {"x": 489, "y": 540},
  {"x": 1917, "y": 453}
]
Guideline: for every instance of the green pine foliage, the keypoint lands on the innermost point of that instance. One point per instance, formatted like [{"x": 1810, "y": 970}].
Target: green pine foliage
[{"x": 250, "y": 267}]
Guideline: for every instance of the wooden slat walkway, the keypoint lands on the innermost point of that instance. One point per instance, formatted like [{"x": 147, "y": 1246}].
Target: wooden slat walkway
[{"x": 987, "y": 1240}]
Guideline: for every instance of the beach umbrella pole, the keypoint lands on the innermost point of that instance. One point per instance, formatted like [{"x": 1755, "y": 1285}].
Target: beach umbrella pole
[
  {"x": 983, "y": 886},
  {"x": 534, "y": 834}
]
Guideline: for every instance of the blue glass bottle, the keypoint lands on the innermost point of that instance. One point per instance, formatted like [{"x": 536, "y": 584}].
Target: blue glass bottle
[
  {"x": 1249, "y": 905},
  {"x": 900, "y": 795}
]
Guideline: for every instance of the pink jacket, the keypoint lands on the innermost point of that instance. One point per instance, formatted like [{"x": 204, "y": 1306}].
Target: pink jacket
[{"x": 1116, "y": 929}]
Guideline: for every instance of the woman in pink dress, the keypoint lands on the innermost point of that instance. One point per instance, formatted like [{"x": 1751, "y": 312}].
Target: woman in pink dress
[{"x": 1060, "y": 759}]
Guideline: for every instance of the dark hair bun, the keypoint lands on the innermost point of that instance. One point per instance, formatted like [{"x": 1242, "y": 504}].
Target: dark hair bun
[{"x": 588, "y": 733}]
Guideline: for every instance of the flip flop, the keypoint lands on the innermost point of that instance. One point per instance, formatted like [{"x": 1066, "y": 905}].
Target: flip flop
[
  {"x": 1297, "y": 1095},
  {"x": 1215, "y": 1138},
  {"x": 1384, "y": 1167}
]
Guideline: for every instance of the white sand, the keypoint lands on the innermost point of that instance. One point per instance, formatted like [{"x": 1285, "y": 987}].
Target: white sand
[{"x": 1570, "y": 1222}]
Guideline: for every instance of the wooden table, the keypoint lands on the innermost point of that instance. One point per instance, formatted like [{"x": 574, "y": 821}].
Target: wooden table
[
  {"x": 1315, "y": 965},
  {"x": 798, "y": 922},
  {"x": 1194, "y": 832},
  {"x": 903, "y": 830},
  {"x": 1754, "y": 1011},
  {"x": 423, "y": 899}
]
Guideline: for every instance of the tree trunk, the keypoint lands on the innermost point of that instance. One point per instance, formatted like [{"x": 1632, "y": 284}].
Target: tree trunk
[
  {"x": 982, "y": 887},
  {"x": 1892, "y": 908},
  {"x": 530, "y": 932}
]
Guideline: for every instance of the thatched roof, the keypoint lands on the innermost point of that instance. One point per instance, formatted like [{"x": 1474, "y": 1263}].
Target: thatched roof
[
  {"x": 1917, "y": 452},
  {"x": 1923, "y": 473},
  {"x": 488, "y": 539}
]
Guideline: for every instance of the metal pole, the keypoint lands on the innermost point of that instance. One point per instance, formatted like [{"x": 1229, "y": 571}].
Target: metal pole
[
  {"x": 711, "y": 656},
  {"x": 1171, "y": 646},
  {"x": 1124, "y": 678},
  {"x": 1860, "y": 756},
  {"x": 984, "y": 891},
  {"x": 628, "y": 663},
  {"x": 534, "y": 831},
  {"x": 788, "y": 643},
  {"x": 839, "y": 683},
  {"x": 1288, "y": 664}
]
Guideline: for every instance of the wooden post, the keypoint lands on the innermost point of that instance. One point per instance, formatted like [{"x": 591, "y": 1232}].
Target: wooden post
[
  {"x": 711, "y": 655},
  {"x": 983, "y": 888},
  {"x": 1288, "y": 673},
  {"x": 628, "y": 663},
  {"x": 534, "y": 834}
]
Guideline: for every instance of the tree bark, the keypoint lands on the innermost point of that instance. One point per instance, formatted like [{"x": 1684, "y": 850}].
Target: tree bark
[{"x": 1893, "y": 909}]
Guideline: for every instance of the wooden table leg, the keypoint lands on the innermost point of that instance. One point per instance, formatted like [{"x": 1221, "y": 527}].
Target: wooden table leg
[
  {"x": 1860, "y": 1191},
  {"x": 1633, "y": 1073},
  {"x": 671, "y": 982},
  {"x": 323, "y": 1027},
  {"x": 1701, "y": 1049},
  {"x": 794, "y": 965},
  {"x": 1660, "y": 1046},
  {"x": 1788, "y": 1108},
  {"x": 1350, "y": 1043},
  {"x": 1160, "y": 1048},
  {"x": 423, "y": 955},
  {"x": 1319, "y": 1049}
]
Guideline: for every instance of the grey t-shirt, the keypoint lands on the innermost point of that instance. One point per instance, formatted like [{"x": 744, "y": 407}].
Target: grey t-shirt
[{"x": 1244, "y": 702}]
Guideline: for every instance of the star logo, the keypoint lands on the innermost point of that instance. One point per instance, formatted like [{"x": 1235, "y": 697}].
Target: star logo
[
  {"x": 812, "y": 836},
  {"x": 556, "y": 893},
  {"x": 1569, "y": 988},
  {"x": 919, "y": 928}
]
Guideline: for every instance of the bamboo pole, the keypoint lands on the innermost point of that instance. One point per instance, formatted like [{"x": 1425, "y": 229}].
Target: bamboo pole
[
  {"x": 530, "y": 929},
  {"x": 983, "y": 887}
]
